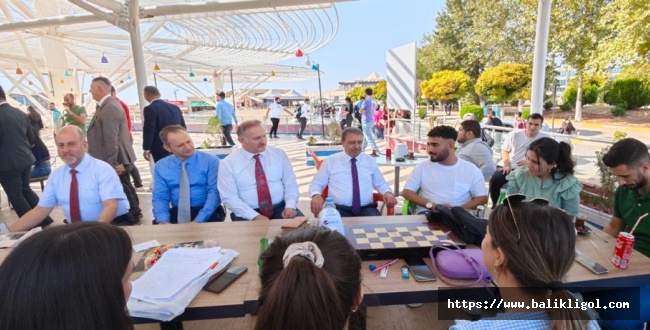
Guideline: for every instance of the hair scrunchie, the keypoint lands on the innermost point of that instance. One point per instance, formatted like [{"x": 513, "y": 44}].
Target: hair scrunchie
[{"x": 308, "y": 250}]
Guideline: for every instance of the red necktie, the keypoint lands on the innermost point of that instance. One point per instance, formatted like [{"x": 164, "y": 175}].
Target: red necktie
[
  {"x": 75, "y": 212},
  {"x": 263, "y": 192}
]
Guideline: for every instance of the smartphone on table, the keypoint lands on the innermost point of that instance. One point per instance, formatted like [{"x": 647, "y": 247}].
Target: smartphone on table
[
  {"x": 224, "y": 280},
  {"x": 419, "y": 269}
]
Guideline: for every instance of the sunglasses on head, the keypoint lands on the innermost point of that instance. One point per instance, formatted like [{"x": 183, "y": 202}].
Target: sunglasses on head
[{"x": 515, "y": 200}]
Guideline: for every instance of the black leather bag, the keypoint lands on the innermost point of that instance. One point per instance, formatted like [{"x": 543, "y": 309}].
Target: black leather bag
[{"x": 463, "y": 224}]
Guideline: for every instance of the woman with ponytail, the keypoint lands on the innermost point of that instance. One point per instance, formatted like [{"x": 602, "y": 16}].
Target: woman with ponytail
[
  {"x": 311, "y": 279},
  {"x": 528, "y": 259},
  {"x": 548, "y": 175}
]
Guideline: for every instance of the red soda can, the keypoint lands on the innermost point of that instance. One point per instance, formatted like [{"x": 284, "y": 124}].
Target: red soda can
[
  {"x": 623, "y": 250},
  {"x": 388, "y": 153}
]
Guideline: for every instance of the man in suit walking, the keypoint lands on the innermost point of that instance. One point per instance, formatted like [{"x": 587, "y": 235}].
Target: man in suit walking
[
  {"x": 157, "y": 115},
  {"x": 109, "y": 140},
  {"x": 16, "y": 139}
]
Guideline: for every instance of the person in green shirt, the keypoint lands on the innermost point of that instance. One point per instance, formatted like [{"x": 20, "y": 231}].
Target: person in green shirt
[
  {"x": 629, "y": 160},
  {"x": 74, "y": 114}
]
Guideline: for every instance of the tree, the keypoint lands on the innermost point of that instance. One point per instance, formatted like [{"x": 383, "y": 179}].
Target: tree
[
  {"x": 506, "y": 82},
  {"x": 626, "y": 22},
  {"x": 356, "y": 93},
  {"x": 590, "y": 91},
  {"x": 575, "y": 36},
  {"x": 447, "y": 85},
  {"x": 379, "y": 91}
]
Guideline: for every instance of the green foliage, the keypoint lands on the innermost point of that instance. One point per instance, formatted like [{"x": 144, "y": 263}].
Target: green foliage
[
  {"x": 619, "y": 135},
  {"x": 422, "y": 113},
  {"x": 215, "y": 134},
  {"x": 446, "y": 85},
  {"x": 508, "y": 81},
  {"x": 566, "y": 106},
  {"x": 356, "y": 93},
  {"x": 472, "y": 108},
  {"x": 548, "y": 105},
  {"x": 619, "y": 110},
  {"x": 334, "y": 132},
  {"x": 589, "y": 93},
  {"x": 379, "y": 91},
  {"x": 632, "y": 92},
  {"x": 525, "y": 113}
]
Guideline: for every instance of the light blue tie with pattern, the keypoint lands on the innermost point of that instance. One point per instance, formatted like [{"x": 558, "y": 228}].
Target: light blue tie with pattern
[{"x": 184, "y": 205}]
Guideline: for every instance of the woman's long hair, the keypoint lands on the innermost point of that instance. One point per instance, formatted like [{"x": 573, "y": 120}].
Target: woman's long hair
[
  {"x": 542, "y": 256},
  {"x": 303, "y": 296},
  {"x": 67, "y": 278},
  {"x": 554, "y": 153}
]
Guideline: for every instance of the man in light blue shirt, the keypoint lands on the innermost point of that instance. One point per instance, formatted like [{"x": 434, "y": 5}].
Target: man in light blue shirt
[
  {"x": 202, "y": 169},
  {"x": 226, "y": 112},
  {"x": 367, "y": 111},
  {"x": 100, "y": 194}
]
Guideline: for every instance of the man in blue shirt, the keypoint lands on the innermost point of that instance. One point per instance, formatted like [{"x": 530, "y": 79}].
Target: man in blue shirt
[
  {"x": 226, "y": 112},
  {"x": 367, "y": 111},
  {"x": 201, "y": 170},
  {"x": 100, "y": 196}
]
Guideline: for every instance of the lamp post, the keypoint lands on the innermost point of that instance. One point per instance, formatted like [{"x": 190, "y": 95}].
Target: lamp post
[
  {"x": 554, "y": 104},
  {"x": 320, "y": 96}
]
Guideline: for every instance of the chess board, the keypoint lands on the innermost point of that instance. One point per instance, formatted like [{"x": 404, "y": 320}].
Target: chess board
[{"x": 399, "y": 240}]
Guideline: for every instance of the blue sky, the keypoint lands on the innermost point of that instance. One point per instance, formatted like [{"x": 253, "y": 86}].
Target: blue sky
[{"x": 367, "y": 29}]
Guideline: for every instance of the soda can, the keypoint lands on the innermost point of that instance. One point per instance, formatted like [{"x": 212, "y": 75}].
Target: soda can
[
  {"x": 388, "y": 153},
  {"x": 623, "y": 250},
  {"x": 480, "y": 211}
]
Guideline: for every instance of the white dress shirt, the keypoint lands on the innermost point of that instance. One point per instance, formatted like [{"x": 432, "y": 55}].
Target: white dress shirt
[
  {"x": 336, "y": 173},
  {"x": 454, "y": 185},
  {"x": 238, "y": 187}
]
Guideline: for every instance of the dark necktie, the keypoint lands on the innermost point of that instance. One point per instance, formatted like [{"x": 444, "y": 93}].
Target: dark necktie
[
  {"x": 263, "y": 193},
  {"x": 356, "y": 195},
  {"x": 75, "y": 212}
]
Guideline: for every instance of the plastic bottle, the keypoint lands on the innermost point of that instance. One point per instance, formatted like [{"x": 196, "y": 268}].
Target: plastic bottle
[{"x": 330, "y": 217}]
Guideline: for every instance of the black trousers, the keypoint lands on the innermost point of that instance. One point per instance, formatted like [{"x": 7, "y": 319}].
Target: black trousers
[
  {"x": 369, "y": 210},
  {"x": 497, "y": 181},
  {"x": 135, "y": 174},
  {"x": 226, "y": 134},
  {"x": 217, "y": 216},
  {"x": 131, "y": 195},
  {"x": 303, "y": 124},
  {"x": 274, "y": 127},
  {"x": 21, "y": 196}
]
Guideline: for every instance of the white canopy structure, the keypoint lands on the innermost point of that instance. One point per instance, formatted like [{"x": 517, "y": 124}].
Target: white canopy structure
[
  {"x": 49, "y": 47},
  {"x": 292, "y": 95},
  {"x": 270, "y": 94}
]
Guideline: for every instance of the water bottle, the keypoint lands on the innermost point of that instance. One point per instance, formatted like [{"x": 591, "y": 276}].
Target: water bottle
[{"x": 329, "y": 217}]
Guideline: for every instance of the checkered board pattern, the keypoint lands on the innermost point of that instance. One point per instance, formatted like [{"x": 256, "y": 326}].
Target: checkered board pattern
[{"x": 396, "y": 236}]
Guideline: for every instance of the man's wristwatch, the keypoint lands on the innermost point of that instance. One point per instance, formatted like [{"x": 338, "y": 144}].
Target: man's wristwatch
[{"x": 429, "y": 205}]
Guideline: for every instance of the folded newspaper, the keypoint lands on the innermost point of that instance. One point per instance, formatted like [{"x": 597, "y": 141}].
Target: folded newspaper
[{"x": 165, "y": 290}]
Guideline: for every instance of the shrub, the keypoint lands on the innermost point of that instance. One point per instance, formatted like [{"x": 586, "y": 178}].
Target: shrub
[
  {"x": 472, "y": 108},
  {"x": 589, "y": 94},
  {"x": 525, "y": 114},
  {"x": 632, "y": 92},
  {"x": 548, "y": 105},
  {"x": 566, "y": 106},
  {"x": 422, "y": 113},
  {"x": 619, "y": 110}
]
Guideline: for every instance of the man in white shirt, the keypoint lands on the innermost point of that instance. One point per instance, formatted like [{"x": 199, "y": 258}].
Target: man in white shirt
[
  {"x": 446, "y": 180},
  {"x": 339, "y": 170},
  {"x": 513, "y": 153},
  {"x": 304, "y": 113},
  {"x": 256, "y": 181},
  {"x": 275, "y": 109},
  {"x": 473, "y": 149}
]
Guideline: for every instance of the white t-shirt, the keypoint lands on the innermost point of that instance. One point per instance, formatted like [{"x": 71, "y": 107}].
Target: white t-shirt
[
  {"x": 276, "y": 109},
  {"x": 454, "y": 185},
  {"x": 517, "y": 143},
  {"x": 304, "y": 110}
]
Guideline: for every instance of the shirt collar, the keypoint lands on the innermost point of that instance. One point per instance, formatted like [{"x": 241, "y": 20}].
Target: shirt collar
[
  {"x": 249, "y": 155},
  {"x": 189, "y": 160},
  {"x": 470, "y": 141},
  {"x": 4, "y": 102},
  {"x": 103, "y": 100}
]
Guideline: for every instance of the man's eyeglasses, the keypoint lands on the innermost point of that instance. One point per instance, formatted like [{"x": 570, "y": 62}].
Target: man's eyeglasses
[{"x": 516, "y": 199}]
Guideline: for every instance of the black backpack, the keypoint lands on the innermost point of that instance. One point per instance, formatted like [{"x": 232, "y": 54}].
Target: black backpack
[
  {"x": 298, "y": 111},
  {"x": 463, "y": 224}
]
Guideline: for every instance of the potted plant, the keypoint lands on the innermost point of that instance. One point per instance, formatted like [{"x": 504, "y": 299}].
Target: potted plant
[
  {"x": 215, "y": 144},
  {"x": 325, "y": 148}
]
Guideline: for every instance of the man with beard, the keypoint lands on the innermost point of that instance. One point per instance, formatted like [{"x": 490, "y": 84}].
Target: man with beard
[
  {"x": 473, "y": 149},
  {"x": 446, "y": 180},
  {"x": 629, "y": 160},
  {"x": 103, "y": 198}
]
